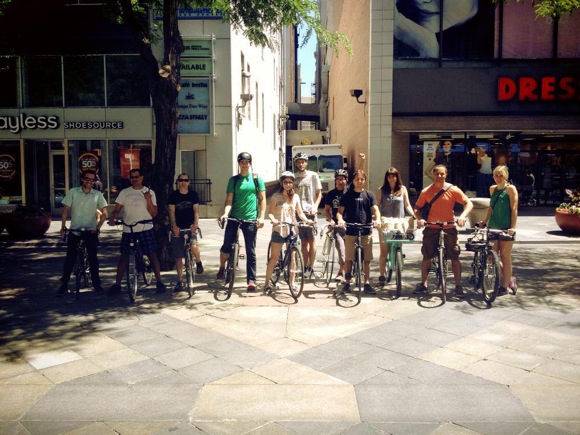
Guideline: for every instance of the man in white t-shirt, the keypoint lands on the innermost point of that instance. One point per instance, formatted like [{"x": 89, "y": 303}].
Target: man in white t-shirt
[
  {"x": 309, "y": 188},
  {"x": 138, "y": 203}
]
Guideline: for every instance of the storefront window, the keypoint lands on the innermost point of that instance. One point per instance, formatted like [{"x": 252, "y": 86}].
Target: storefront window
[
  {"x": 10, "y": 181},
  {"x": 126, "y": 82},
  {"x": 42, "y": 81},
  {"x": 84, "y": 81},
  {"x": 8, "y": 96},
  {"x": 83, "y": 155},
  {"x": 125, "y": 155}
]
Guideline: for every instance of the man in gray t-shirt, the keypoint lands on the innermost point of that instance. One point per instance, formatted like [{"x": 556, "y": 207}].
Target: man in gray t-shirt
[{"x": 309, "y": 188}]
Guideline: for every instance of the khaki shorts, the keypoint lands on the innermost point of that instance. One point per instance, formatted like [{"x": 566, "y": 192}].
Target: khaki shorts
[
  {"x": 366, "y": 243},
  {"x": 431, "y": 242}
]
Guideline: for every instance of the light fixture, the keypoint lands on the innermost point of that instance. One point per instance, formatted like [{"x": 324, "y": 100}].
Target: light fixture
[
  {"x": 357, "y": 93},
  {"x": 245, "y": 98}
]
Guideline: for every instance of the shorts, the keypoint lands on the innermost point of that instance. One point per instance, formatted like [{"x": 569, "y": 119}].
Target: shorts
[
  {"x": 177, "y": 244},
  {"x": 277, "y": 238},
  {"x": 366, "y": 243},
  {"x": 306, "y": 233},
  {"x": 431, "y": 241},
  {"x": 146, "y": 241}
]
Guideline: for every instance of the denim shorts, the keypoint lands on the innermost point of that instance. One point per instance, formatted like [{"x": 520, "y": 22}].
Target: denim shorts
[{"x": 177, "y": 244}]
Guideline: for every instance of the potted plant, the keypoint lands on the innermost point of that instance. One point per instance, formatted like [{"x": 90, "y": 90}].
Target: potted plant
[
  {"x": 568, "y": 213},
  {"x": 27, "y": 222}
]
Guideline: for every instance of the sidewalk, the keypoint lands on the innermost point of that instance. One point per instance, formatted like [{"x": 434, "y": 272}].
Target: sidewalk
[{"x": 270, "y": 365}]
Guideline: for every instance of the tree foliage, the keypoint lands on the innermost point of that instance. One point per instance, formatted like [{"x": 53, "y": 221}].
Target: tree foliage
[{"x": 551, "y": 8}]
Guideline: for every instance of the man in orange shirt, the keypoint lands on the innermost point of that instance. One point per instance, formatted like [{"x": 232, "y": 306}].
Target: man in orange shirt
[{"x": 441, "y": 211}]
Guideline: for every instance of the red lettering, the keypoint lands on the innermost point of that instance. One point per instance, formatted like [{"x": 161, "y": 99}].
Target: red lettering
[
  {"x": 567, "y": 86},
  {"x": 548, "y": 88},
  {"x": 506, "y": 89},
  {"x": 528, "y": 86}
]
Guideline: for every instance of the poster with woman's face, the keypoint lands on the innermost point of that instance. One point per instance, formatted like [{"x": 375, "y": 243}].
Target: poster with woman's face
[{"x": 452, "y": 29}]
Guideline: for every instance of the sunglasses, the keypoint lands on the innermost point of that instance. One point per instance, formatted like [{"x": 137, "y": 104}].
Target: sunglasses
[
  {"x": 182, "y": 179},
  {"x": 134, "y": 177},
  {"x": 90, "y": 180}
]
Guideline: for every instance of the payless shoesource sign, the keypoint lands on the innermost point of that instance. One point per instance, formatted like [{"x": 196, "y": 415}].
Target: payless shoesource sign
[{"x": 16, "y": 124}]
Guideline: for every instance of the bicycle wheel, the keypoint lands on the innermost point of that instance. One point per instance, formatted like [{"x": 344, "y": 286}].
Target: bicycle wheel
[
  {"x": 189, "y": 272},
  {"x": 442, "y": 275},
  {"x": 475, "y": 277},
  {"x": 132, "y": 277},
  {"x": 323, "y": 277},
  {"x": 489, "y": 276},
  {"x": 295, "y": 272},
  {"x": 277, "y": 270},
  {"x": 231, "y": 269},
  {"x": 147, "y": 269},
  {"x": 79, "y": 273},
  {"x": 358, "y": 271},
  {"x": 399, "y": 270}
]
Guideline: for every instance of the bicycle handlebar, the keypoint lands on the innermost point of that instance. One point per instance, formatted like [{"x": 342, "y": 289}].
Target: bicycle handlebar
[
  {"x": 122, "y": 222},
  {"x": 221, "y": 222},
  {"x": 188, "y": 231},
  {"x": 440, "y": 224}
]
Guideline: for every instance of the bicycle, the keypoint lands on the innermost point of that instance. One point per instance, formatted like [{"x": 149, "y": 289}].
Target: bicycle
[
  {"x": 290, "y": 264},
  {"x": 358, "y": 263},
  {"x": 486, "y": 264},
  {"x": 137, "y": 262},
  {"x": 440, "y": 261},
  {"x": 189, "y": 258},
  {"x": 395, "y": 263},
  {"x": 323, "y": 277},
  {"x": 81, "y": 267},
  {"x": 234, "y": 257}
]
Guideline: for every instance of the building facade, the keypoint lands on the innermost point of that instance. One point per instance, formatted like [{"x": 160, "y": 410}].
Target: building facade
[
  {"x": 494, "y": 80},
  {"x": 72, "y": 97}
]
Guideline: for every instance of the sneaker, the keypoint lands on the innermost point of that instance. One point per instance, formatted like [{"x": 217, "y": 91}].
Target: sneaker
[
  {"x": 346, "y": 288},
  {"x": 160, "y": 287},
  {"x": 513, "y": 285},
  {"x": 382, "y": 281},
  {"x": 339, "y": 277},
  {"x": 199, "y": 268},
  {"x": 251, "y": 287},
  {"x": 62, "y": 290},
  {"x": 421, "y": 289},
  {"x": 502, "y": 291},
  {"x": 307, "y": 271},
  {"x": 268, "y": 290},
  {"x": 459, "y": 292},
  {"x": 369, "y": 290},
  {"x": 114, "y": 290},
  {"x": 221, "y": 273},
  {"x": 178, "y": 287}
]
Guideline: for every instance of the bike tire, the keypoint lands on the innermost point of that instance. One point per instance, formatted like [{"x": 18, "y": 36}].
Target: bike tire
[
  {"x": 147, "y": 270},
  {"x": 490, "y": 276},
  {"x": 189, "y": 272},
  {"x": 323, "y": 277},
  {"x": 399, "y": 271},
  {"x": 358, "y": 271},
  {"x": 79, "y": 275},
  {"x": 132, "y": 278},
  {"x": 231, "y": 269},
  {"x": 442, "y": 275},
  {"x": 475, "y": 278},
  {"x": 330, "y": 262},
  {"x": 295, "y": 272}
]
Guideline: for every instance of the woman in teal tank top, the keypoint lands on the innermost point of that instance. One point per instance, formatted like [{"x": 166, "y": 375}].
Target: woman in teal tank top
[{"x": 503, "y": 215}]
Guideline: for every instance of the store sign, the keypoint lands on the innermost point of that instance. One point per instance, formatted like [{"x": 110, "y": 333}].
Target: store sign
[
  {"x": 94, "y": 125},
  {"x": 15, "y": 124},
  {"x": 196, "y": 67},
  {"x": 544, "y": 89},
  {"x": 194, "y": 107},
  {"x": 193, "y": 14},
  {"x": 7, "y": 166},
  {"x": 130, "y": 159},
  {"x": 88, "y": 161},
  {"x": 197, "y": 48}
]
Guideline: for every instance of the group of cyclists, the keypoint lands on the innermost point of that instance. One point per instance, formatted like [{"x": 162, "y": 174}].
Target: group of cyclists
[{"x": 298, "y": 198}]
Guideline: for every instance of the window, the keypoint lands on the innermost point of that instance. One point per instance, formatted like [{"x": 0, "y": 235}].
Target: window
[
  {"x": 43, "y": 81},
  {"x": 84, "y": 81},
  {"x": 8, "y": 78},
  {"x": 126, "y": 82}
]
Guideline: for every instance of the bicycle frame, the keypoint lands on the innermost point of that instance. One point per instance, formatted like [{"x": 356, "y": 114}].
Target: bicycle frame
[
  {"x": 135, "y": 262},
  {"x": 324, "y": 276},
  {"x": 233, "y": 259},
  {"x": 189, "y": 258},
  {"x": 440, "y": 261},
  {"x": 485, "y": 264},
  {"x": 358, "y": 262},
  {"x": 291, "y": 264}
]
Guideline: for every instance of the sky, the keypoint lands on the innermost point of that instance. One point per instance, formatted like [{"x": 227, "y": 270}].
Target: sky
[{"x": 308, "y": 65}]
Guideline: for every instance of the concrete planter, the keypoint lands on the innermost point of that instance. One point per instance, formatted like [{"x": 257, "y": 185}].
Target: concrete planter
[
  {"x": 568, "y": 222},
  {"x": 479, "y": 211}
]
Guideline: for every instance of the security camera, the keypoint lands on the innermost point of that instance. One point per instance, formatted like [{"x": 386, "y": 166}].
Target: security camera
[
  {"x": 356, "y": 93},
  {"x": 246, "y": 97}
]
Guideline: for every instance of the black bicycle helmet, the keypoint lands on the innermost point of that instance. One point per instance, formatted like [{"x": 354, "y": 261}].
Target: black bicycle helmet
[
  {"x": 341, "y": 173},
  {"x": 301, "y": 156},
  {"x": 286, "y": 174},
  {"x": 244, "y": 156}
]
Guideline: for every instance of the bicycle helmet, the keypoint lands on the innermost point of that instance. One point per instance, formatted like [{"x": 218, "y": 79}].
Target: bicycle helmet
[
  {"x": 286, "y": 174},
  {"x": 301, "y": 156},
  {"x": 244, "y": 156},
  {"x": 341, "y": 173}
]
